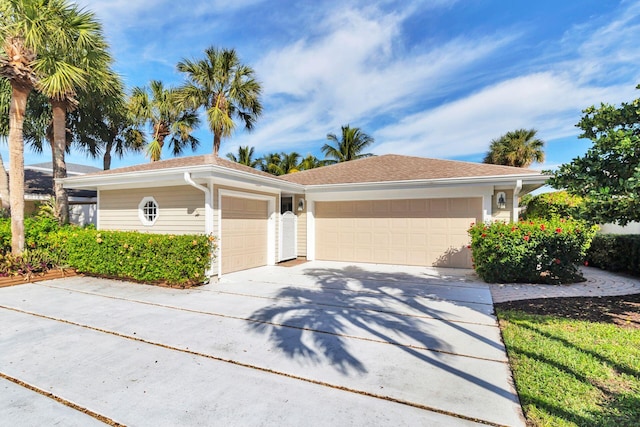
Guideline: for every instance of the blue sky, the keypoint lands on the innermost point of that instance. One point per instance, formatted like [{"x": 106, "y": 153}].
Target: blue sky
[{"x": 437, "y": 78}]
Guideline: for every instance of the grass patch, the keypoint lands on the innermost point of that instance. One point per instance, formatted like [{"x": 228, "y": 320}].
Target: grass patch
[{"x": 573, "y": 372}]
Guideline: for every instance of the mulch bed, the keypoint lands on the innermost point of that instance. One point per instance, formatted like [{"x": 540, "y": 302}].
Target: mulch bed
[
  {"x": 37, "y": 277},
  {"x": 623, "y": 311}
]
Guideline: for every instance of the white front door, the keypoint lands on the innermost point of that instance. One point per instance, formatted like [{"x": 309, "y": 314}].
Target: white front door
[{"x": 288, "y": 229}]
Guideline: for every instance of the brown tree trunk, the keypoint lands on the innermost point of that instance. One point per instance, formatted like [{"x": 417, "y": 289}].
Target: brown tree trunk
[
  {"x": 4, "y": 187},
  {"x": 59, "y": 109},
  {"x": 216, "y": 144},
  {"x": 106, "y": 160},
  {"x": 17, "y": 112}
]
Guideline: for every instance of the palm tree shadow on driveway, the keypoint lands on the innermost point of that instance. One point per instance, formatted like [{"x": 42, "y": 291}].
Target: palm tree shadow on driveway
[{"x": 320, "y": 323}]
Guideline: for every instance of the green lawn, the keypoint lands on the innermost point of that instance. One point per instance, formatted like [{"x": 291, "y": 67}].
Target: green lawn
[{"x": 573, "y": 372}]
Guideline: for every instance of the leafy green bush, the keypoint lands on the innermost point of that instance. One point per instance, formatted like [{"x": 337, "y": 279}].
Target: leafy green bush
[
  {"x": 558, "y": 204},
  {"x": 615, "y": 252},
  {"x": 174, "y": 259},
  {"x": 536, "y": 251}
]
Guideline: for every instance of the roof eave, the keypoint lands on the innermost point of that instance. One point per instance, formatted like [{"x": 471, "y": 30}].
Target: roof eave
[
  {"x": 173, "y": 174},
  {"x": 420, "y": 183}
]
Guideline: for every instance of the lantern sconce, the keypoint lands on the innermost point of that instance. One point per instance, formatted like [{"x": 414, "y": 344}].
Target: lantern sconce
[
  {"x": 300, "y": 205},
  {"x": 501, "y": 198}
]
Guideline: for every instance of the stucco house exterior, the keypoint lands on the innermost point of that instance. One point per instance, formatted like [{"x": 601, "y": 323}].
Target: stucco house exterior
[{"x": 383, "y": 209}]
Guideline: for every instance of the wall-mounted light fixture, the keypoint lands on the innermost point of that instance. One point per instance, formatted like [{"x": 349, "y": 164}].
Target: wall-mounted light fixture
[
  {"x": 501, "y": 200},
  {"x": 300, "y": 205}
]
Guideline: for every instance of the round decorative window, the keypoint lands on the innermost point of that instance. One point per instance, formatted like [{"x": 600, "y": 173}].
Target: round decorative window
[{"x": 148, "y": 211}]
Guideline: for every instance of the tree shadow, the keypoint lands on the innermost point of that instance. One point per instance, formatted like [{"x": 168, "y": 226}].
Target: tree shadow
[
  {"x": 319, "y": 323},
  {"x": 619, "y": 406}
]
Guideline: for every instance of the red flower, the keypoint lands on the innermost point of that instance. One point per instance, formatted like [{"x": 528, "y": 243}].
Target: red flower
[
  {"x": 586, "y": 263},
  {"x": 514, "y": 228},
  {"x": 468, "y": 246},
  {"x": 542, "y": 227},
  {"x": 526, "y": 238},
  {"x": 557, "y": 261},
  {"x": 483, "y": 235},
  {"x": 558, "y": 230}
]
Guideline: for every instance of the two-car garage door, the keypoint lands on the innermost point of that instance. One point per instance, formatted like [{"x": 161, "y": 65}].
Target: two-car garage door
[{"x": 409, "y": 232}]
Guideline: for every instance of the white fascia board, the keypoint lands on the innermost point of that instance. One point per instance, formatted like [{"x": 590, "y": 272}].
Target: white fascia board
[
  {"x": 430, "y": 183},
  {"x": 402, "y": 193},
  {"x": 175, "y": 175}
]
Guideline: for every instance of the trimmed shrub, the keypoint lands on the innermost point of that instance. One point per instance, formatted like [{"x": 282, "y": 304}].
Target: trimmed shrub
[
  {"x": 616, "y": 252},
  {"x": 558, "y": 204},
  {"x": 174, "y": 259},
  {"x": 536, "y": 251}
]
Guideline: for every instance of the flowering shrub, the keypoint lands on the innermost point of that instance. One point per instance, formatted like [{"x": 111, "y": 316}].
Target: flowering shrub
[
  {"x": 174, "y": 259},
  {"x": 536, "y": 251}
]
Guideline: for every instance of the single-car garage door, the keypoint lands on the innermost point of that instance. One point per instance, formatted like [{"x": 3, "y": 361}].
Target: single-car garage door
[
  {"x": 410, "y": 232},
  {"x": 244, "y": 234}
]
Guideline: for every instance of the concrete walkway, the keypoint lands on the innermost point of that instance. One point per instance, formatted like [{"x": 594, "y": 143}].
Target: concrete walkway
[
  {"x": 315, "y": 344},
  {"x": 599, "y": 283}
]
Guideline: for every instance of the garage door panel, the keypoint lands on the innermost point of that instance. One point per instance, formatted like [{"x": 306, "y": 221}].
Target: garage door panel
[
  {"x": 413, "y": 232},
  {"x": 244, "y": 233}
]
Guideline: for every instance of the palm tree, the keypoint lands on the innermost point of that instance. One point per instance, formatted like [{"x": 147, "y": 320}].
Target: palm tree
[
  {"x": 30, "y": 33},
  {"x": 102, "y": 127},
  {"x": 290, "y": 163},
  {"x": 519, "y": 148},
  {"x": 349, "y": 147},
  {"x": 270, "y": 162},
  {"x": 280, "y": 163},
  {"x": 76, "y": 61},
  {"x": 225, "y": 88},
  {"x": 244, "y": 156},
  {"x": 156, "y": 107},
  {"x": 310, "y": 162},
  {"x": 5, "y": 102}
]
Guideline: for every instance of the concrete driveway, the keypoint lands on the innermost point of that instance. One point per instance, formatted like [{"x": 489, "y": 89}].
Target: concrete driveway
[{"x": 315, "y": 344}]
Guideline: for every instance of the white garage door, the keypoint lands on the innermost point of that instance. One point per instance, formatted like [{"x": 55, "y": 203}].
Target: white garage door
[
  {"x": 410, "y": 232},
  {"x": 244, "y": 234}
]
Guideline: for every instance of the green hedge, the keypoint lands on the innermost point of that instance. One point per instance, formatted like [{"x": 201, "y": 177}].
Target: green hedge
[
  {"x": 558, "y": 204},
  {"x": 536, "y": 251},
  {"x": 174, "y": 259},
  {"x": 615, "y": 252}
]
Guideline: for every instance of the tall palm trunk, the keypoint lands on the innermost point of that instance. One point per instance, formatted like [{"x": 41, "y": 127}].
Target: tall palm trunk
[
  {"x": 106, "y": 159},
  {"x": 216, "y": 143},
  {"x": 4, "y": 187},
  {"x": 59, "y": 147},
  {"x": 17, "y": 111}
]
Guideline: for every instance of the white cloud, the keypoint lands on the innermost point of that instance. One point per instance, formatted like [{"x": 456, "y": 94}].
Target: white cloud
[
  {"x": 355, "y": 72},
  {"x": 548, "y": 102}
]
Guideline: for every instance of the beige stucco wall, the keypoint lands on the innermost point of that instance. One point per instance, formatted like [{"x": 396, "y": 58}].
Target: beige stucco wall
[
  {"x": 505, "y": 214},
  {"x": 181, "y": 210}
]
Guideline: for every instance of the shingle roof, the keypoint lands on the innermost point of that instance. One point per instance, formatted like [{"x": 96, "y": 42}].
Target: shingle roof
[
  {"x": 179, "y": 162},
  {"x": 41, "y": 183},
  {"x": 392, "y": 167}
]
